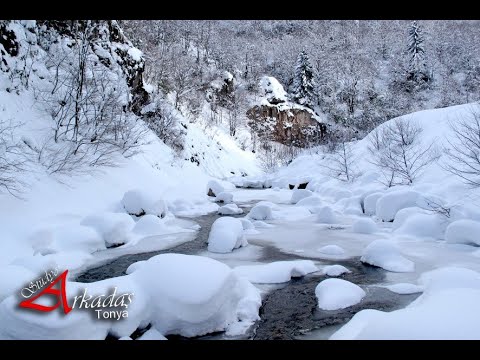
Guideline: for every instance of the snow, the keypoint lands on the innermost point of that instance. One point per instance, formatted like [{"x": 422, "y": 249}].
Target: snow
[
  {"x": 226, "y": 234},
  {"x": 247, "y": 224},
  {"x": 224, "y": 197},
  {"x": 386, "y": 254},
  {"x": 272, "y": 89},
  {"x": 334, "y": 294},
  {"x": 405, "y": 288},
  {"x": 364, "y": 226},
  {"x": 14, "y": 278},
  {"x": 423, "y": 225},
  {"x": 389, "y": 204},
  {"x": 230, "y": 209},
  {"x": 447, "y": 310},
  {"x": 332, "y": 250},
  {"x": 134, "y": 202},
  {"x": 325, "y": 215},
  {"x": 335, "y": 270},
  {"x": 260, "y": 212},
  {"x": 276, "y": 272},
  {"x": 215, "y": 187},
  {"x": 463, "y": 232},
  {"x": 299, "y": 194},
  {"x": 135, "y": 54},
  {"x": 113, "y": 227},
  {"x": 310, "y": 202},
  {"x": 370, "y": 203},
  {"x": 150, "y": 225},
  {"x": 152, "y": 334}
]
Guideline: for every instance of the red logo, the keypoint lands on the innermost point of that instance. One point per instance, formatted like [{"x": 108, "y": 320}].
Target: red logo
[{"x": 60, "y": 295}]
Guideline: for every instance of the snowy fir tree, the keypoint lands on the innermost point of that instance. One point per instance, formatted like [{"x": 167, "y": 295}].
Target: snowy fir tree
[
  {"x": 416, "y": 52},
  {"x": 304, "y": 81}
]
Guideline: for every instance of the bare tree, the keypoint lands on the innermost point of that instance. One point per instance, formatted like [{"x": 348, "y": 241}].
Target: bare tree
[
  {"x": 396, "y": 150},
  {"x": 341, "y": 162},
  {"x": 463, "y": 154},
  {"x": 272, "y": 155}
]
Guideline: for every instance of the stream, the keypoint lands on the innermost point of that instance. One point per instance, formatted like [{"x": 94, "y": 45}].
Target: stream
[{"x": 281, "y": 316}]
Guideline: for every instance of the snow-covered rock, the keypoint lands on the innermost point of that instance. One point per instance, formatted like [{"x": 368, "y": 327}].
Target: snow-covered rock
[
  {"x": 276, "y": 272},
  {"x": 157, "y": 208},
  {"x": 215, "y": 187},
  {"x": 299, "y": 194},
  {"x": 224, "y": 197},
  {"x": 325, "y": 215},
  {"x": 387, "y": 255},
  {"x": 331, "y": 250},
  {"x": 364, "y": 226},
  {"x": 335, "y": 270},
  {"x": 390, "y": 203},
  {"x": 152, "y": 334},
  {"x": 272, "y": 90},
  {"x": 423, "y": 225},
  {"x": 247, "y": 224},
  {"x": 448, "y": 278},
  {"x": 226, "y": 234},
  {"x": 370, "y": 203},
  {"x": 229, "y": 209},
  {"x": 334, "y": 294},
  {"x": 310, "y": 202},
  {"x": 134, "y": 202},
  {"x": 115, "y": 228},
  {"x": 150, "y": 225},
  {"x": 405, "y": 288},
  {"x": 463, "y": 232},
  {"x": 353, "y": 206},
  {"x": 260, "y": 212},
  {"x": 404, "y": 214}
]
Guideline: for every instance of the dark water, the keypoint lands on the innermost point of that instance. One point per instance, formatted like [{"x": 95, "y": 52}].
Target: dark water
[{"x": 288, "y": 311}]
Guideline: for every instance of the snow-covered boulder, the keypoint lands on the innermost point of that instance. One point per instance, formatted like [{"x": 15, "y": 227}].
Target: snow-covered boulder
[
  {"x": 310, "y": 202},
  {"x": 325, "y": 215},
  {"x": 364, "y": 226},
  {"x": 157, "y": 208},
  {"x": 224, "y": 197},
  {"x": 370, "y": 203},
  {"x": 195, "y": 295},
  {"x": 387, "y": 255},
  {"x": 463, "y": 232},
  {"x": 230, "y": 209},
  {"x": 272, "y": 90},
  {"x": 214, "y": 188},
  {"x": 114, "y": 228},
  {"x": 405, "y": 288},
  {"x": 335, "y": 270},
  {"x": 134, "y": 202},
  {"x": 332, "y": 250},
  {"x": 423, "y": 225},
  {"x": 334, "y": 294},
  {"x": 247, "y": 224},
  {"x": 404, "y": 214},
  {"x": 299, "y": 194},
  {"x": 150, "y": 225},
  {"x": 353, "y": 206},
  {"x": 226, "y": 234},
  {"x": 390, "y": 203},
  {"x": 261, "y": 212},
  {"x": 276, "y": 272}
]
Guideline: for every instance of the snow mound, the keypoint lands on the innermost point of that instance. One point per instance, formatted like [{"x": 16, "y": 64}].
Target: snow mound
[
  {"x": 404, "y": 214},
  {"x": 447, "y": 309},
  {"x": 230, "y": 209},
  {"x": 115, "y": 228},
  {"x": 13, "y": 279},
  {"x": 370, "y": 203},
  {"x": 226, "y": 234},
  {"x": 216, "y": 187},
  {"x": 335, "y": 270},
  {"x": 325, "y": 215},
  {"x": 224, "y": 197},
  {"x": 152, "y": 334},
  {"x": 405, "y": 288},
  {"x": 385, "y": 254},
  {"x": 332, "y": 250},
  {"x": 390, "y": 203},
  {"x": 195, "y": 295},
  {"x": 310, "y": 202},
  {"x": 261, "y": 212},
  {"x": 463, "y": 232},
  {"x": 334, "y": 294},
  {"x": 299, "y": 194},
  {"x": 150, "y": 225},
  {"x": 276, "y": 272},
  {"x": 273, "y": 90},
  {"x": 364, "y": 226},
  {"x": 423, "y": 225},
  {"x": 67, "y": 238},
  {"x": 136, "y": 202},
  {"x": 247, "y": 224}
]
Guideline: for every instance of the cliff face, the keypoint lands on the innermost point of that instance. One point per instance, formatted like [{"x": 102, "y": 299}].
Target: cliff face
[{"x": 20, "y": 40}]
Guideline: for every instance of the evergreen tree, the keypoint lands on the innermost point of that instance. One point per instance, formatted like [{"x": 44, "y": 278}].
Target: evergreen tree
[
  {"x": 417, "y": 65},
  {"x": 304, "y": 82}
]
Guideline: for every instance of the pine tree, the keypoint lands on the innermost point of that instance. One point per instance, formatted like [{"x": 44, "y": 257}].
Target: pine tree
[
  {"x": 304, "y": 82},
  {"x": 416, "y": 51}
]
